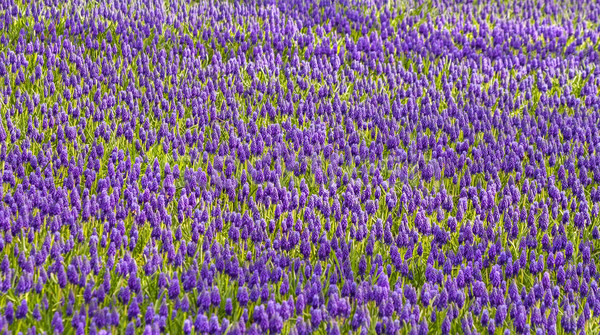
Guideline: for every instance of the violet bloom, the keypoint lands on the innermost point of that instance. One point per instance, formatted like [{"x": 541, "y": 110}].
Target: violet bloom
[{"x": 57, "y": 323}]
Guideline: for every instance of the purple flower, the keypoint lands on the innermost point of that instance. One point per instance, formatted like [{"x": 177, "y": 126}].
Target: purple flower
[
  {"x": 201, "y": 323},
  {"x": 410, "y": 294},
  {"x": 275, "y": 324},
  {"x": 36, "y": 312},
  {"x": 133, "y": 310},
  {"x": 500, "y": 315},
  {"x": 491, "y": 328},
  {"x": 187, "y": 327},
  {"x": 324, "y": 249},
  {"x": 446, "y": 324},
  {"x": 228, "y": 306},
  {"x": 57, "y": 323},
  {"x": 316, "y": 317},
  {"x": 213, "y": 324},
  {"x": 124, "y": 295},
  {"x": 242, "y": 296},
  {"x": 215, "y": 297},
  {"x": 22, "y": 310},
  {"x": 9, "y": 312},
  {"x": 130, "y": 330},
  {"x": 300, "y": 304},
  {"x": 174, "y": 287},
  {"x": 149, "y": 316}
]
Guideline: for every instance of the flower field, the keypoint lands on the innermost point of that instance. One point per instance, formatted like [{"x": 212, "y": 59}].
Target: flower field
[{"x": 299, "y": 167}]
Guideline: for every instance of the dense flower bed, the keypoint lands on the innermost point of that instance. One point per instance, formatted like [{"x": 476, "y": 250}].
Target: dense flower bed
[{"x": 299, "y": 166}]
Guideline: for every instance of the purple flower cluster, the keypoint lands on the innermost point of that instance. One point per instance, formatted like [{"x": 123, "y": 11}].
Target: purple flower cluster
[{"x": 298, "y": 167}]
